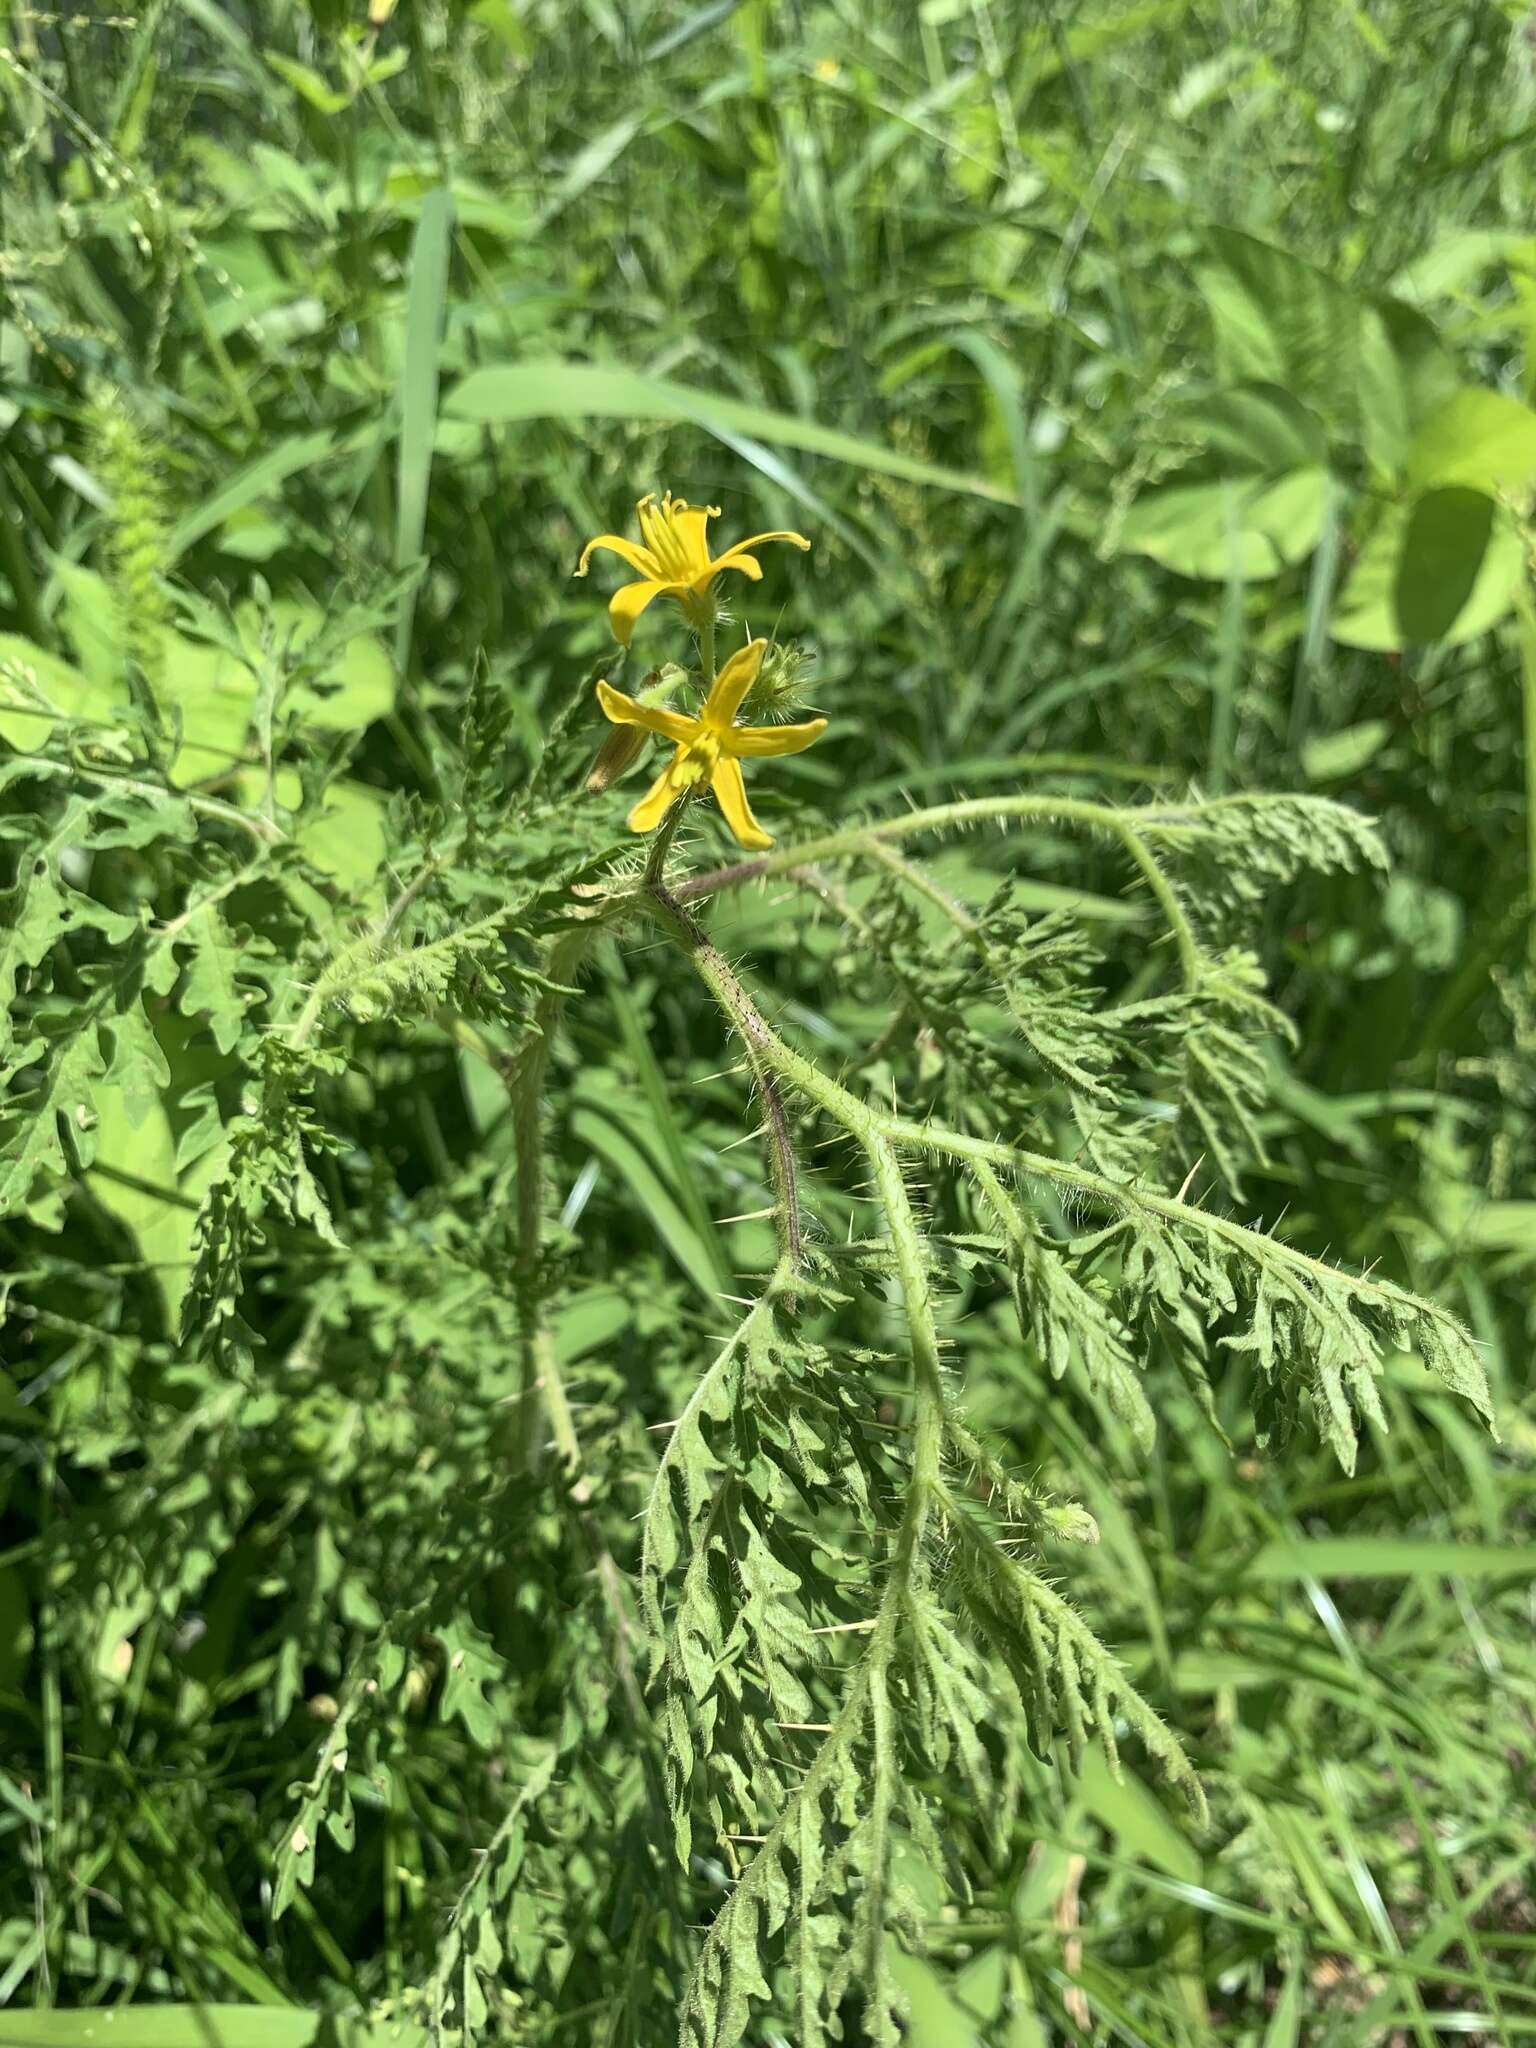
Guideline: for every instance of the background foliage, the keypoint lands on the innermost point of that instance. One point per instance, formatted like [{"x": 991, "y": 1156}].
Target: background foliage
[{"x": 1154, "y": 382}]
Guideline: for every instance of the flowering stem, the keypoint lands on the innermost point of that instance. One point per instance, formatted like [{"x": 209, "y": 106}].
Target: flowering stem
[
  {"x": 872, "y": 1129},
  {"x": 661, "y": 845},
  {"x": 781, "y": 1166},
  {"x": 707, "y": 649},
  {"x": 755, "y": 1032}
]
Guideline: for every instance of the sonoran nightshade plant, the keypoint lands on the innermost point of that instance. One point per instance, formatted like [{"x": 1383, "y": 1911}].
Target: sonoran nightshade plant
[{"x": 748, "y": 1650}]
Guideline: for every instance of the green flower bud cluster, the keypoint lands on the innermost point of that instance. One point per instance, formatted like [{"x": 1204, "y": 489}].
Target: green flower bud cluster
[{"x": 784, "y": 683}]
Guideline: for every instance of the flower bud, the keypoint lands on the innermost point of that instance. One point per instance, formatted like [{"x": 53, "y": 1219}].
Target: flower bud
[
  {"x": 782, "y": 686},
  {"x": 615, "y": 757},
  {"x": 1071, "y": 1524},
  {"x": 624, "y": 744}
]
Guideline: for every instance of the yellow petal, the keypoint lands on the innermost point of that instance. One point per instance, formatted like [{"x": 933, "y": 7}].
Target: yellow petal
[
  {"x": 638, "y": 558},
  {"x": 749, "y": 565},
  {"x": 731, "y": 796},
  {"x": 732, "y": 684},
  {"x": 628, "y": 602},
  {"x": 740, "y": 556},
  {"x": 659, "y": 798},
  {"x": 672, "y": 725},
  {"x": 762, "y": 742}
]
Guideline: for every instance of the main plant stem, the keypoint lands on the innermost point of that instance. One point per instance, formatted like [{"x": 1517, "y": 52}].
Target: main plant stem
[
  {"x": 772, "y": 1059},
  {"x": 868, "y": 1694},
  {"x": 540, "y": 1388}
]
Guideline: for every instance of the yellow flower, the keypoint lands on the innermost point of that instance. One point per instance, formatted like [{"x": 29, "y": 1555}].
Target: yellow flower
[
  {"x": 711, "y": 748},
  {"x": 673, "y": 560}
]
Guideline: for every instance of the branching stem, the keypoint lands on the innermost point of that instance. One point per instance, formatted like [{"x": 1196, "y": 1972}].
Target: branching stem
[
  {"x": 856, "y": 841},
  {"x": 872, "y": 1127},
  {"x": 876, "y": 842}
]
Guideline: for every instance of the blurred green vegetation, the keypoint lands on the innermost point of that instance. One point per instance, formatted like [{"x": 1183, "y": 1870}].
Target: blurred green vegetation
[{"x": 1110, "y": 356}]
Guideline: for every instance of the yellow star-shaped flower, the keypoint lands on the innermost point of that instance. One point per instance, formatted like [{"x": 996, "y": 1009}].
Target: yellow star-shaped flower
[
  {"x": 711, "y": 747},
  {"x": 673, "y": 560}
]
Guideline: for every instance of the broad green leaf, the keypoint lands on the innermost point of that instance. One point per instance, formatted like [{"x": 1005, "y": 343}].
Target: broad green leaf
[
  {"x": 980, "y": 1988},
  {"x": 934, "y": 2020},
  {"x": 355, "y": 690},
  {"x": 1479, "y": 438},
  {"x": 1505, "y": 1227},
  {"x": 1247, "y": 346},
  {"x": 586, "y": 1320},
  {"x": 1251, "y": 528},
  {"x": 1258, "y": 429},
  {"x": 1365, "y": 614},
  {"x": 348, "y": 838},
  {"x": 1339, "y": 755},
  {"x": 36, "y": 687},
  {"x": 1406, "y": 373},
  {"x": 1251, "y": 501},
  {"x": 211, "y": 692},
  {"x": 505, "y": 394},
  {"x": 93, "y": 624},
  {"x": 1285, "y": 320},
  {"x": 345, "y": 838},
  {"x": 214, "y": 694},
  {"x": 1369, "y": 366},
  {"x": 253, "y": 536},
  {"x": 1443, "y": 549},
  {"x": 134, "y": 1178}
]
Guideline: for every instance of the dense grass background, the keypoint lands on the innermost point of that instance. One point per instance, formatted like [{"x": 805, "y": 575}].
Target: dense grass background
[{"x": 929, "y": 283}]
